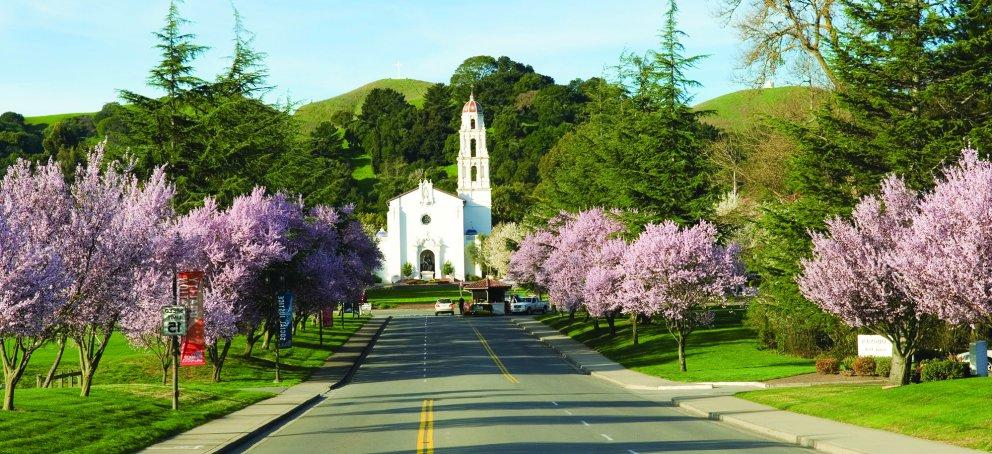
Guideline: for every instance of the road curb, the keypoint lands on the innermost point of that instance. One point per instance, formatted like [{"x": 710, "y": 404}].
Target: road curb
[{"x": 247, "y": 439}]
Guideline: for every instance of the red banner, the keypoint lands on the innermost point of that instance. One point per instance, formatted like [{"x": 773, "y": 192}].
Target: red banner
[
  {"x": 190, "y": 285},
  {"x": 327, "y": 317}
]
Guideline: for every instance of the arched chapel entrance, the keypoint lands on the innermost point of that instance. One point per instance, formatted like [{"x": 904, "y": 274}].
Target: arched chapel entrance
[{"x": 427, "y": 261}]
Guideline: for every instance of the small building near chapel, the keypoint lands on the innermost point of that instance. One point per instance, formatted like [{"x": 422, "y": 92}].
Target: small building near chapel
[{"x": 427, "y": 227}]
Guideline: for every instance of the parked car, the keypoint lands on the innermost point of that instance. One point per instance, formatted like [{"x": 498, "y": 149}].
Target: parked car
[
  {"x": 444, "y": 305},
  {"x": 480, "y": 310},
  {"x": 965, "y": 357},
  {"x": 529, "y": 305}
]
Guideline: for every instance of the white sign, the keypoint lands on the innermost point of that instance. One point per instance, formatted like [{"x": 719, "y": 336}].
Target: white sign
[
  {"x": 874, "y": 345},
  {"x": 367, "y": 307},
  {"x": 174, "y": 321}
]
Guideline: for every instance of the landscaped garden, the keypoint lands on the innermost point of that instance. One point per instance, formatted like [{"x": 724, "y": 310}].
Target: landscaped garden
[
  {"x": 129, "y": 407},
  {"x": 953, "y": 411},
  {"x": 725, "y": 351}
]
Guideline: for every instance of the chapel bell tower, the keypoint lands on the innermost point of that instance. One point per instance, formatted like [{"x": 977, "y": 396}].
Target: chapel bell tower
[{"x": 473, "y": 169}]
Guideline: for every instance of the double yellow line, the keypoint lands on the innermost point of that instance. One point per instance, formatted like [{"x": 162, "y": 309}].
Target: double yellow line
[
  {"x": 506, "y": 373},
  {"x": 425, "y": 436}
]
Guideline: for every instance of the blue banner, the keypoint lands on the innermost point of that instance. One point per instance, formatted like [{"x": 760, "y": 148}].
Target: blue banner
[{"x": 285, "y": 306}]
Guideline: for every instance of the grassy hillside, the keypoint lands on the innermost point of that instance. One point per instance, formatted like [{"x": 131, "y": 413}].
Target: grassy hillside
[
  {"x": 743, "y": 108},
  {"x": 313, "y": 113},
  {"x": 49, "y": 120}
]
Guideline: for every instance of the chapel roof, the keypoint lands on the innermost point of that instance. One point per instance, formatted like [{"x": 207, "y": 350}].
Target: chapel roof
[{"x": 442, "y": 191}]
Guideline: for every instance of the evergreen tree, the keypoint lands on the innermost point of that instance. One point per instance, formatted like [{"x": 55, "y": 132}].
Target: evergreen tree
[{"x": 642, "y": 146}]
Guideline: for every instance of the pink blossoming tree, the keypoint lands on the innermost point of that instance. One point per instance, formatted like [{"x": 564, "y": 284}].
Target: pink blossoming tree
[
  {"x": 33, "y": 278},
  {"x": 853, "y": 272},
  {"x": 945, "y": 263},
  {"x": 680, "y": 274},
  {"x": 603, "y": 282},
  {"x": 575, "y": 249}
]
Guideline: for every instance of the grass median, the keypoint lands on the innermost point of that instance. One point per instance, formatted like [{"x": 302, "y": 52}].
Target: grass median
[
  {"x": 726, "y": 351},
  {"x": 953, "y": 411},
  {"x": 129, "y": 408}
]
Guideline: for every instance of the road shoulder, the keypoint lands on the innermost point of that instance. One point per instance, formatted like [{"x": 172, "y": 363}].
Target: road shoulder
[{"x": 802, "y": 430}]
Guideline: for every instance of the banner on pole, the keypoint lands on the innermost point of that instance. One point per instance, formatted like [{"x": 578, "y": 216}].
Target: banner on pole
[
  {"x": 327, "y": 317},
  {"x": 285, "y": 306},
  {"x": 190, "y": 286}
]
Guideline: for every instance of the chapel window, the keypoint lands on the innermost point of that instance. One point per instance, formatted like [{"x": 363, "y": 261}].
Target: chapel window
[
  {"x": 472, "y": 124},
  {"x": 472, "y": 147},
  {"x": 475, "y": 173}
]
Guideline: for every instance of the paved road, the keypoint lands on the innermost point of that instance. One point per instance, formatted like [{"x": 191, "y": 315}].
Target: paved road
[{"x": 454, "y": 385}]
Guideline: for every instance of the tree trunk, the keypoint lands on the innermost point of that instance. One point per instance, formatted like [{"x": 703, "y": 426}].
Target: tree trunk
[
  {"x": 90, "y": 354},
  {"x": 633, "y": 326},
  {"x": 587, "y": 317},
  {"x": 320, "y": 328},
  {"x": 8, "y": 392},
  {"x": 680, "y": 339},
  {"x": 900, "y": 373},
  {"x": 595, "y": 323},
  {"x": 268, "y": 338},
  {"x": 610, "y": 320},
  {"x": 55, "y": 364},
  {"x": 217, "y": 358},
  {"x": 165, "y": 372},
  {"x": 571, "y": 315}
]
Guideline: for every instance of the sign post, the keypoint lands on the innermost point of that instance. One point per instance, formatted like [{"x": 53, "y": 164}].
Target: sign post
[
  {"x": 175, "y": 323},
  {"x": 284, "y": 311}
]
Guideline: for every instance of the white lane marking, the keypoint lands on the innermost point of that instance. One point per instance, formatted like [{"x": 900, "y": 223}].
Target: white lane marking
[
  {"x": 607, "y": 437},
  {"x": 566, "y": 411},
  {"x": 631, "y": 451},
  {"x": 584, "y": 423},
  {"x": 554, "y": 403}
]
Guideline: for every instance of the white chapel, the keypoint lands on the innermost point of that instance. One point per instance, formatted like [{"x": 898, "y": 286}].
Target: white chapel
[{"x": 427, "y": 227}]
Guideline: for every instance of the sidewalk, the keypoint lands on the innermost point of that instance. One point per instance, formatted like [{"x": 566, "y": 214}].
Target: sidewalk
[
  {"x": 711, "y": 401},
  {"x": 226, "y": 431}
]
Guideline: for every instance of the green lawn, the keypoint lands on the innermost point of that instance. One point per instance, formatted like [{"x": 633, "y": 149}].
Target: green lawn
[
  {"x": 741, "y": 109},
  {"x": 725, "y": 352},
  {"x": 129, "y": 408},
  {"x": 413, "y": 294},
  {"x": 954, "y": 411}
]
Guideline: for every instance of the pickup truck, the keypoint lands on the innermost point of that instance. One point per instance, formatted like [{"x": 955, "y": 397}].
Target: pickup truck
[{"x": 529, "y": 305}]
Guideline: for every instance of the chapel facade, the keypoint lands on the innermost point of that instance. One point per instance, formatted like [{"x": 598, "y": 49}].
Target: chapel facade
[{"x": 427, "y": 227}]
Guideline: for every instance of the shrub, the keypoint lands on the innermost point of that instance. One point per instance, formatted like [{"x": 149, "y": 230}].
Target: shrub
[
  {"x": 883, "y": 366},
  {"x": 407, "y": 269},
  {"x": 864, "y": 366},
  {"x": 827, "y": 366},
  {"x": 847, "y": 363},
  {"x": 942, "y": 369}
]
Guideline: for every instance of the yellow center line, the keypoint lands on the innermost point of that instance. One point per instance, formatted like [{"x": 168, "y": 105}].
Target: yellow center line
[
  {"x": 499, "y": 364},
  {"x": 425, "y": 436}
]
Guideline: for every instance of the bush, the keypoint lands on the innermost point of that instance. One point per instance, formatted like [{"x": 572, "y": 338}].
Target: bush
[
  {"x": 864, "y": 366},
  {"x": 883, "y": 366},
  {"x": 827, "y": 366},
  {"x": 943, "y": 369},
  {"x": 847, "y": 363}
]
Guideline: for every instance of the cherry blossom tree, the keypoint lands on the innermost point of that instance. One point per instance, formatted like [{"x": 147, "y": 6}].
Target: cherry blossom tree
[
  {"x": 106, "y": 244},
  {"x": 603, "y": 282},
  {"x": 574, "y": 250},
  {"x": 681, "y": 274},
  {"x": 33, "y": 278},
  {"x": 945, "y": 262},
  {"x": 853, "y": 271},
  {"x": 527, "y": 262},
  {"x": 499, "y": 244}
]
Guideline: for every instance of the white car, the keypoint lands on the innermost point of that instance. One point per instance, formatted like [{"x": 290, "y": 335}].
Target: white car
[
  {"x": 529, "y": 305},
  {"x": 964, "y": 357},
  {"x": 444, "y": 305}
]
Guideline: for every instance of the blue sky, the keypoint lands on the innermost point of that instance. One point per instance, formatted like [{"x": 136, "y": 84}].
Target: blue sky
[{"x": 72, "y": 55}]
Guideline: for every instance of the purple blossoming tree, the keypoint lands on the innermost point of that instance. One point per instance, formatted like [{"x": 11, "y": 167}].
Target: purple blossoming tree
[
  {"x": 575, "y": 248},
  {"x": 33, "y": 208},
  {"x": 681, "y": 274},
  {"x": 603, "y": 282},
  {"x": 852, "y": 273}
]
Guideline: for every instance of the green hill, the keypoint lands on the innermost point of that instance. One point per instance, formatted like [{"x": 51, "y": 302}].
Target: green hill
[
  {"x": 312, "y": 114},
  {"x": 48, "y": 120},
  {"x": 743, "y": 108}
]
